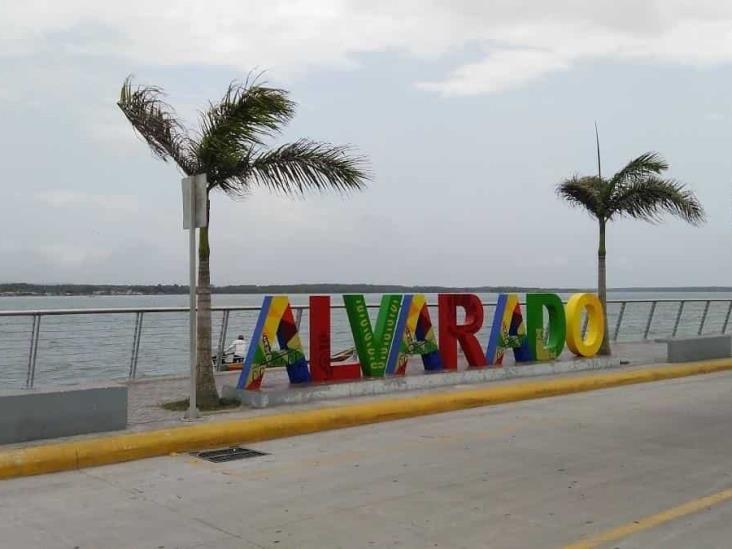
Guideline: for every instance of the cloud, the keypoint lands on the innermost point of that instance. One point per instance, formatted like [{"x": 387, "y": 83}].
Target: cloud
[
  {"x": 71, "y": 255},
  {"x": 502, "y": 70},
  {"x": 520, "y": 40},
  {"x": 108, "y": 127},
  {"x": 714, "y": 116},
  {"x": 116, "y": 203}
]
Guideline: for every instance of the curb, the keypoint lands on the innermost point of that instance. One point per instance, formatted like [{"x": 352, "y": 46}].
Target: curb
[{"x": 67, "y": 456}]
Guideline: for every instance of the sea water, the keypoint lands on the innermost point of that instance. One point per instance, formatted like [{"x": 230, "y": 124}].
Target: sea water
[{"x": 73, "y": 348}]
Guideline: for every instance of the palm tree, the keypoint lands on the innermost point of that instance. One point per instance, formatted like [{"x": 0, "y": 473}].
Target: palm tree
[
  {"x": 638, "y": 191},
  {"x": 229, "y": 147}
]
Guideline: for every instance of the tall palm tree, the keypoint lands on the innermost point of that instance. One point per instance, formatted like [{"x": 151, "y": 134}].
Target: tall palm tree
[
  {"x": 638, "y": 191},
  {"x": 229, "y": 147}
]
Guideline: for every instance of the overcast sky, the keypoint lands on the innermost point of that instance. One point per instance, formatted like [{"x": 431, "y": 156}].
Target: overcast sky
[{"x": 469, "y": 111}]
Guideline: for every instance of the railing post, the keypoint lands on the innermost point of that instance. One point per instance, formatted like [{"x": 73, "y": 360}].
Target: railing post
[
  {"x": 222, "y": 340},
  {"x": 33, "y": 352},
  {"x": 650, "y": 319},
  {"x": 703, "y": 318},
  {"x": 619, "y": 321},
  {"x": 726, "y": 318},
  {"x": 135, "y": 345},
  {"x": 298, "y": 317},
  {"x": 30, "y": 351},
  {"x": 678, "y": 318}
]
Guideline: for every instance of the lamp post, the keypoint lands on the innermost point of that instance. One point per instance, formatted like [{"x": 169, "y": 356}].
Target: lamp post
[{"x": 195, "y": 215}]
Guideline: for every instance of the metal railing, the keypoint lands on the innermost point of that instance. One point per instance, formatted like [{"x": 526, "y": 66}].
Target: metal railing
[
  {"x": 81, "y": 339},
  {"x": 693, "y": 327}
]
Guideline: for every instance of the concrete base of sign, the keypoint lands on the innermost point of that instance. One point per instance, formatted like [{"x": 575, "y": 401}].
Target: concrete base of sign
[
  {"x": 301, "y": 394},
  {"x": 688, "y": 349},
  {"x": 34, "y": 414}
]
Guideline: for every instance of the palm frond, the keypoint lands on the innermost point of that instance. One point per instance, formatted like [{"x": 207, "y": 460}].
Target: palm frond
[
  {"x": 246, "y": 114},
  {"x": 649, "y": 198},
  {"x": 585, "y": 192},
  {"x": 301, "y": 166},
  {"x": 155, "y": 121},
  {"x": 645, "y": 165}
]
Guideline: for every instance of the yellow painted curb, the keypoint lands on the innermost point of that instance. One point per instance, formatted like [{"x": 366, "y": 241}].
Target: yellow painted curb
[{"x": 118, "y": 448}]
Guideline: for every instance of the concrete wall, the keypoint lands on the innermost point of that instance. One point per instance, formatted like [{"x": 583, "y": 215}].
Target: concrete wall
[
  {"x": 43, "y": 413},
  {"x": 301, "y": 394},
  {"x": 687, "y": 349}
]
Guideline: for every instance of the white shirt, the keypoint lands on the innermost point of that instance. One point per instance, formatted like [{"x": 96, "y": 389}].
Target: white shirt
[{"x": 239, "y": 346}]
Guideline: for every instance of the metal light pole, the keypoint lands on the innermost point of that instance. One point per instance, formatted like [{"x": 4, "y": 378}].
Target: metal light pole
[{"x": 195, "y": 215}]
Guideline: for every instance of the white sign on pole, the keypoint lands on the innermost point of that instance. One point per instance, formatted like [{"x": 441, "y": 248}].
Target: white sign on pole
[{"x": 195, "y": 213}]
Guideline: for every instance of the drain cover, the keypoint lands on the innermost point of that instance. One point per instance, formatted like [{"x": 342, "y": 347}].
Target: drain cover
[{"x": 229, "y": 454}]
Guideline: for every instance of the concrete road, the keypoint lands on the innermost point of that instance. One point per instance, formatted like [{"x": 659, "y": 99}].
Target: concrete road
[{"x": 639, "y": 466}]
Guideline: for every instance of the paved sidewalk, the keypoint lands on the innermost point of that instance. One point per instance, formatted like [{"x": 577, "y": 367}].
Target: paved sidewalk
[{"x": 146, "y": 395}]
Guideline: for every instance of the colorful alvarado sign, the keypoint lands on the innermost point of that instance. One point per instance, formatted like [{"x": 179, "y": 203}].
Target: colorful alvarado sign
[{"x": 404, "y": 328}]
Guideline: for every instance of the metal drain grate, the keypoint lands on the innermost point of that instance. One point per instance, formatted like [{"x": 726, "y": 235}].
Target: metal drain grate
[{"x": 229, "y": 454}]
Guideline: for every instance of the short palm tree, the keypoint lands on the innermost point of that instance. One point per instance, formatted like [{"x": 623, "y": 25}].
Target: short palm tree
[
  {"x": 229, "y": 147},
  {"x": 637, "y": 191}
]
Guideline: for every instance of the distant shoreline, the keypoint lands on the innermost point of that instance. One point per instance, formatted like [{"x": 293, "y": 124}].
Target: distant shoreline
[{"x": 43, "y": 290}]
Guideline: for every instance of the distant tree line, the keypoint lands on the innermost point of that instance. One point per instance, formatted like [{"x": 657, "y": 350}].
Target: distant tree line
[{"x": 19, "y": 288}]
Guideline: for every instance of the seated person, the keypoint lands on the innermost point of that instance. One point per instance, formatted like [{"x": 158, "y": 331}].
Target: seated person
[{"x": 239, "y": 346}]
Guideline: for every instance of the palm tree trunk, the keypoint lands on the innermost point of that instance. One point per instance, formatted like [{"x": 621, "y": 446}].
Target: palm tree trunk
[
  {"x": 206, "y": 393},
  {"x": 602, "y": 287}
]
